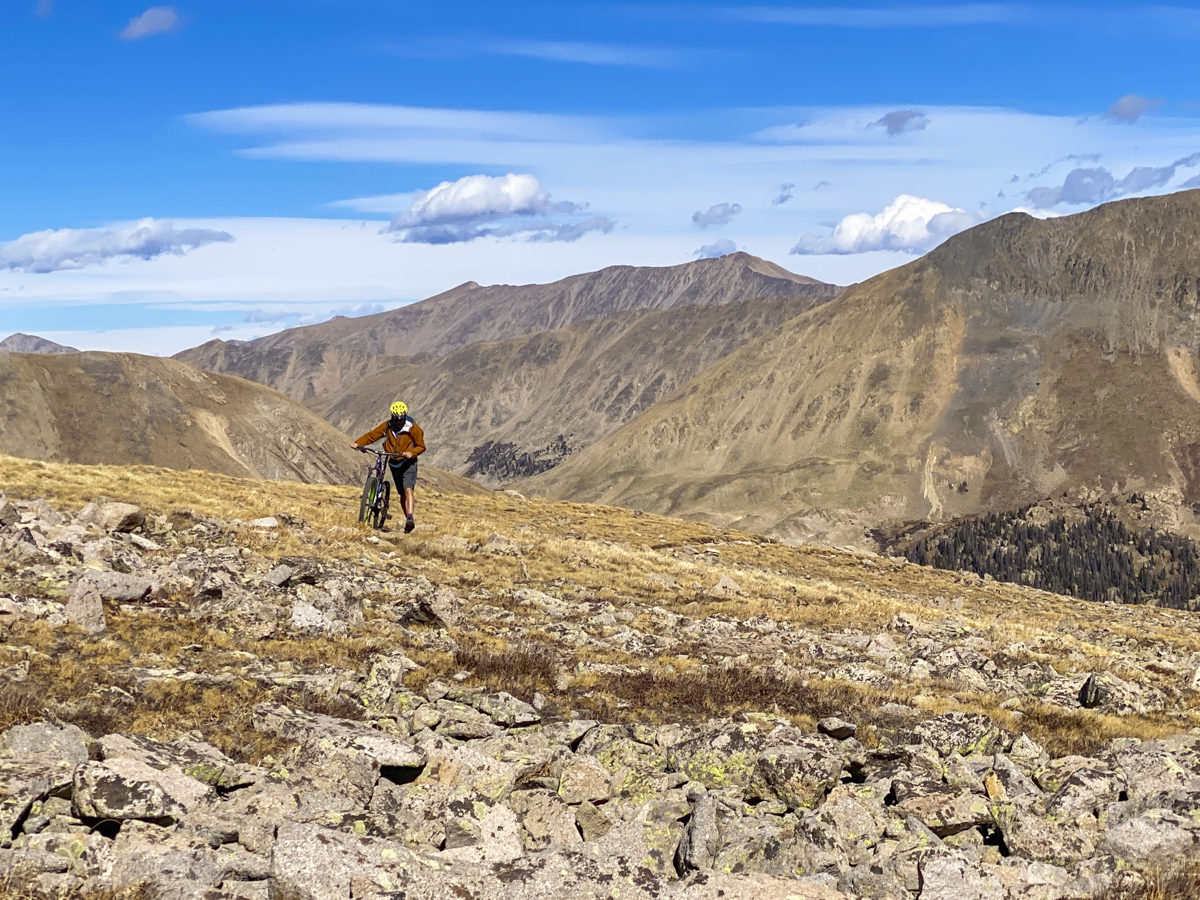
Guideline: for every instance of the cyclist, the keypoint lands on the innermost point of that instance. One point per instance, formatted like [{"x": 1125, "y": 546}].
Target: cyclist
[{"x": 402, "y": 436}]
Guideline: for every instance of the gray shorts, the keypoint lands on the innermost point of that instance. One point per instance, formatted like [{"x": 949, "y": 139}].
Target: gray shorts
[{"x": 405, "y": 474}]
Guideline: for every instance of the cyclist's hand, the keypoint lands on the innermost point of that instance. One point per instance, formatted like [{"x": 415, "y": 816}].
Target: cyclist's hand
[
  {"x": 406, "y": 455},
  {"x": 356, "y": 447}
]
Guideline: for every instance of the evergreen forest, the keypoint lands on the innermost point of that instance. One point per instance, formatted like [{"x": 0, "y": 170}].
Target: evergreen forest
[{"x": 1095, "y": 558}]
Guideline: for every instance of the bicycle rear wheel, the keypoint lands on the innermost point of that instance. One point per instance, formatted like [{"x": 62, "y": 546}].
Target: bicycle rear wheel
[{"x": 367, "y": 504}]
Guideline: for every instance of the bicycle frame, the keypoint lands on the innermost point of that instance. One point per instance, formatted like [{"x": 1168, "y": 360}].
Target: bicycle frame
[{"x": 374, "y": 505}]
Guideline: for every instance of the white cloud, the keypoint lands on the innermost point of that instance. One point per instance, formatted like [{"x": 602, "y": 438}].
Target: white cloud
[
  {"x": 463, "y": 210},
  {"x": 720, "y": 214},
  {"x": 155, "y": 20},
  {"x": 720, "y": 247},
  {"x": 910, "y": 224},
  {"x": 1132, "y": 107},
  {"x": 69, "y": 248}
]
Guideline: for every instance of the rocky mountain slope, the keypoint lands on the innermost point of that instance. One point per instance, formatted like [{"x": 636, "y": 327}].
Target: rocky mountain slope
[
  {"x": 329, "y": 359},
  {"x": 1020, "y": 358},
  {"x": 227, "y": 691},
  {"x": 31, "y": 343},
  {"x": 500, "y": 411},
  {"x": 124, "y": 409}
]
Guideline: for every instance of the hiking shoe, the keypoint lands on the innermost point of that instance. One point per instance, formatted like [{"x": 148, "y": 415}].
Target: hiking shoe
[{"x": 409, "y": 525}]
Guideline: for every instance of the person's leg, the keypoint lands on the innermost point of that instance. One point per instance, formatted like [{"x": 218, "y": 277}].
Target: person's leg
[{"x": 408, "y": 502}]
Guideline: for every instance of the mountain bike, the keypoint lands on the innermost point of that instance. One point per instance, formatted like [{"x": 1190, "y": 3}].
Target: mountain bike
[{"x": 377, "y": 492}]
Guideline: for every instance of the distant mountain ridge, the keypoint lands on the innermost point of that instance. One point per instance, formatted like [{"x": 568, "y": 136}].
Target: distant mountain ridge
[
  {"x": 126, "y": 409},
  {"x": 501, "y": 410},
  {"x": 327, "y": 360},
  {"x": 31, "y": 343},
  {"x": 1019, "y": 358}
]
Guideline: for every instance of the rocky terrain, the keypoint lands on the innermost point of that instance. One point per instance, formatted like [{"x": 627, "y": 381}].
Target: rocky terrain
[
  {"x": 234, "y": 692},
  {"x": 127, "y": 409},
  {"x": 1020, "y": 359}
]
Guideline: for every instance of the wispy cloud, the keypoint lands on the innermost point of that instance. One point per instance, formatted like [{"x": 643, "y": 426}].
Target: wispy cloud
[
  {"x": 718, "y": 248},
  {"x": 1169, "y": 21},
  {"x": 399, "y": 122},
  {"x": 1132, "y": 107},
  {"x": 910, "y": 224},
  {"x": 587, "y": 53},
  {"x": 885, "y": 17},
  {"x": 155, "y": 20},
  {"x": 901, "y": 121},
  {"x": 1097, "y": 185},
  {"x": 785, "y": 194},
  {"x": 720, "y": 214},
  {"x": 42, "y": 252},
  {"x": 591, "y": 53}
]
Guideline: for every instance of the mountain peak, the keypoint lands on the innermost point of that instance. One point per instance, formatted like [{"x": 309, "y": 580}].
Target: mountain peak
[{"x": 31, "y": 343}]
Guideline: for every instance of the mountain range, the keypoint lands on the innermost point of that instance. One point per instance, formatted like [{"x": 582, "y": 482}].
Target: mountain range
[
  {"x": 126, "y": 409},
  {"x": 1021, "y": 358}
]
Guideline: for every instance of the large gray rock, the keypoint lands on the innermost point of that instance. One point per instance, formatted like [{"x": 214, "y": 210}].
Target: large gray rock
[
  {"x": 130, "y": 789},
  {"x": 962, "y": 733},
  {"x": 1152, "y": 839},
  {"x": 195, "y": 759},
  {"x": 57, "y": 743},
  {"x": 111, "y": 517},
  {"x": 313, "y": 863},
  {"x": 23, "y": 782},
  {"x": 801, "y": 774},
  {"x": 951, "y": 876},
  {"x": 118, "y": 586},
  {"x": 85, "y": 608},
  {"x": 338, "y": 755}
]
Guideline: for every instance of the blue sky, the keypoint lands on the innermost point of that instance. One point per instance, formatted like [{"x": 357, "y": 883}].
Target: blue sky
[{"x": 176, "y": 172}]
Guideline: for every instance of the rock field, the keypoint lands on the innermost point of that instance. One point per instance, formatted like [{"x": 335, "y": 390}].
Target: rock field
[{"x": 433, "y": 730}]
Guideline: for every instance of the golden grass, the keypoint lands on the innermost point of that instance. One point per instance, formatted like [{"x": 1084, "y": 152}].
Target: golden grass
[
  {"x": 17, "y": 887},
  {"x": 589, "y": 555}
]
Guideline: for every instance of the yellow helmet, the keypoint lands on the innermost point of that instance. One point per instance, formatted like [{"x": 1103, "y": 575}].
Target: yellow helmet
[{"x": 399, "y": 408}]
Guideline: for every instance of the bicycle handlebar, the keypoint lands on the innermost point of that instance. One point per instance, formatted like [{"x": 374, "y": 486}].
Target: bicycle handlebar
[{"x": 380, "y": 453}]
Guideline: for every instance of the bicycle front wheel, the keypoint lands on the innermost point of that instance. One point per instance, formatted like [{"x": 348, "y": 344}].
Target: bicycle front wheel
[
  {"x": 366, "y": 506},
  {"x": 383, "y": 502}
]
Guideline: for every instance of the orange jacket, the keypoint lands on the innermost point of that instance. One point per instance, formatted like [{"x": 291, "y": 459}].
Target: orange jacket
[{"x": 410, "y": 439}]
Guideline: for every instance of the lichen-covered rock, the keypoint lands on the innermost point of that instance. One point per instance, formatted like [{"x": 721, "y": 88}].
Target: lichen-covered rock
[
  {"x": 962, "y": 733},
  {"x": 130, "y": 789},
  {"x": 801, "y": 774},
  {"x": 547, "y": 821},
  {"x": 195, "y": 759}
]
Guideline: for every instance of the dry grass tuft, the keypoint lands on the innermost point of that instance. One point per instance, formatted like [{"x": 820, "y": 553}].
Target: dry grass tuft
[
  {"x": 1180, "y": 883},
  {"x": 519, "y": 670},
  {"x": 16, "y": 887},
  {"x": 694, "y": 695}
]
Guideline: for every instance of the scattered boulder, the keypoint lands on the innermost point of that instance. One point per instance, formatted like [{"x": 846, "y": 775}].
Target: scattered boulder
[
  {"x": 85, "y": 608},
  {"x": 130, "y": 789},
  {"x": 111, "y": 517}
]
